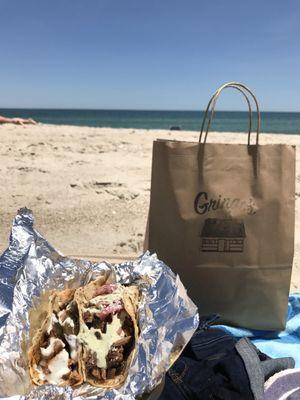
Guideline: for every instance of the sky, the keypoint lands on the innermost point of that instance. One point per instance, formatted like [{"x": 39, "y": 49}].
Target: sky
[{"x": 148, "y": 54}]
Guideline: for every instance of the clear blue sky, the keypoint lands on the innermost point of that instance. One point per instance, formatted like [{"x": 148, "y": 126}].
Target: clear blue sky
[{"x": 148, "y": 54}]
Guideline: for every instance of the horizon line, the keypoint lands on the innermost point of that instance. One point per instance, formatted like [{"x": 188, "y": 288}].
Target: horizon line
[{"x": 133, "y": 109}]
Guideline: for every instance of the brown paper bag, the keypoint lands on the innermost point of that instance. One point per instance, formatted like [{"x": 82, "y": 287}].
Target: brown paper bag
[{"x": 222, "y": 216}]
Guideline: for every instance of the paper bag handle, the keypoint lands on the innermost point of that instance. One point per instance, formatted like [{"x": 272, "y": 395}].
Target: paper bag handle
[
  {"x": 245, "y": 91},
  {"x": 212, "y": 111}
]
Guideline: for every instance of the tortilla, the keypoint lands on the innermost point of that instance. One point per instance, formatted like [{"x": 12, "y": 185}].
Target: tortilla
[{"x": 54, "y": 355}]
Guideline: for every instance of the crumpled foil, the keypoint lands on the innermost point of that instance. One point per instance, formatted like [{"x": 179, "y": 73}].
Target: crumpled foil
[{"x": 30, "y": 266}]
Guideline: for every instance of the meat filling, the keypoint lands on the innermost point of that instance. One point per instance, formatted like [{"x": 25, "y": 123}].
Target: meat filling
[{"x": 58, "y": 348}]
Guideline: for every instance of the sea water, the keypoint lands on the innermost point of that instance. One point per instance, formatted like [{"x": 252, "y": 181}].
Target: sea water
[{"x": 224, "y": 121}]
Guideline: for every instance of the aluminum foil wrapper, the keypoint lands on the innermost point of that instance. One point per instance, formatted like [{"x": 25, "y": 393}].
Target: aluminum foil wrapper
[{"x": 31, "y": 266}]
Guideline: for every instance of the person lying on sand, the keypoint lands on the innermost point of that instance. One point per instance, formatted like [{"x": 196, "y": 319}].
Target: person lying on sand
[{"x": 16, "y": 121}]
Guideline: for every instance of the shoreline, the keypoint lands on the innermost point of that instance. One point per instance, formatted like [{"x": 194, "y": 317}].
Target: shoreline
[
  {"x": 89, "y": 187},
  {"x": 154, "y": 130}
]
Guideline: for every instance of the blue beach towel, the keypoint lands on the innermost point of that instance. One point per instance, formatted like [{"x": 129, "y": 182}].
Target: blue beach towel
[{"x": 277, "y": 344}]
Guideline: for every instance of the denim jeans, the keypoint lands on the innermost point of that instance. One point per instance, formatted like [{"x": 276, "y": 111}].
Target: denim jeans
[{"x": 214, "y": 366}]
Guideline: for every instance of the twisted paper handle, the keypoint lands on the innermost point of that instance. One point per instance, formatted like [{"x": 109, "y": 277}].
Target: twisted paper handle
[{"x": 212, "y": 103}]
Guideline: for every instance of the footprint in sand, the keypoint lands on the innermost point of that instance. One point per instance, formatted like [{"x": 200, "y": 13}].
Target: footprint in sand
[
  {"x": 134, "y": 244},
  {"x": 79, "y": 162},
  {"x": 31, "y": 169},
  {"x": 103, "y": 184}
]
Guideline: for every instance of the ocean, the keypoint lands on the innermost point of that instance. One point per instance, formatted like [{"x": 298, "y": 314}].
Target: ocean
[{"x": 226, "y": 121}]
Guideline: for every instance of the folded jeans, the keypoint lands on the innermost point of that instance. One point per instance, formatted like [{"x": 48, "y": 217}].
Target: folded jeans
[{"x": 215, "y": 365}]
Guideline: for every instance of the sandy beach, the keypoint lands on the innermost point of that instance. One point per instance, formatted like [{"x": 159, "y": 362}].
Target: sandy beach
[{"x": 89, "y": 187}]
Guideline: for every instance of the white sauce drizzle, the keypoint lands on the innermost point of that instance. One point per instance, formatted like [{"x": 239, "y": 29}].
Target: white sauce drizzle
[
  {"x": 73, "y": 343},
  {"x": 68, "y": 321},
  {"x": 58, "y": 367},
  {"x": 102, "y": 346},
  {"x": 47, "y": 351}
]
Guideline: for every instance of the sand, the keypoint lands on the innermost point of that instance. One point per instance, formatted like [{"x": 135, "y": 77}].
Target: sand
[{"x": 89, "y": 187}]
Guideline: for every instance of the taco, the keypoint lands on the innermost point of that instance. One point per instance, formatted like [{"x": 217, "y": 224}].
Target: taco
[
  {"x": 108, "y": 331},
  {"x": 54, "y": 355},
  {"x": 89, "y": 335}
]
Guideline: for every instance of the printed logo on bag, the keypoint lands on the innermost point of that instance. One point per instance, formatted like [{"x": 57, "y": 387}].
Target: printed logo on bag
[
  {"x": 223, "y": 235},
  {"x": 203, "y": 204}
]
